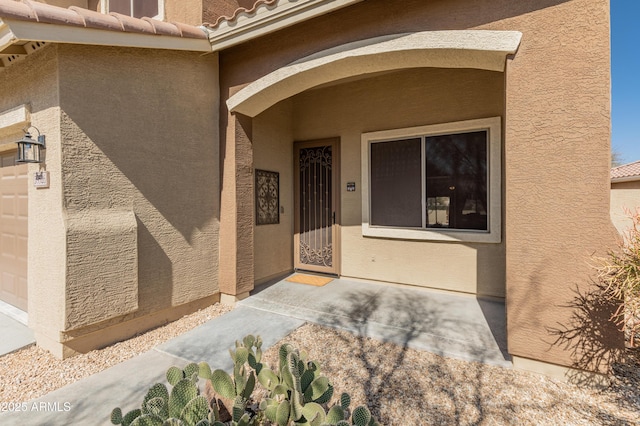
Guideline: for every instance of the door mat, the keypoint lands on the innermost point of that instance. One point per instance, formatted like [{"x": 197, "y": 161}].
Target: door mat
[{"x": 309, "y": 279}]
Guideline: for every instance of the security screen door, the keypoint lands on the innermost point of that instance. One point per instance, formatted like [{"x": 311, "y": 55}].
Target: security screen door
[{"x": 316, "y": 205}]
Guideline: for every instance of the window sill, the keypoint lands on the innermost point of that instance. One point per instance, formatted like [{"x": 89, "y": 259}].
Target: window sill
[{"x": 432, "y": 235}]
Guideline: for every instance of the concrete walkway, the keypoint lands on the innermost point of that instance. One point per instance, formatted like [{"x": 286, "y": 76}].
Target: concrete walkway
[
  {"x": 458, "y": 326},
  {"x": 13, "y": 329}
]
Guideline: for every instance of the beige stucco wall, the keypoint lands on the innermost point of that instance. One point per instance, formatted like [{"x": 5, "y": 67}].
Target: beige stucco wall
[
  {"x": 125, "y": 237},
  {"x": 625, "y": 197},
  {"x": 140, "y": 161},
  {"x": 273, "y": 151},
  {"x": 185, "y": 11},
  {"x": 66, "y": 3},
  {"x": 557, "y": 89},
  {"x": 558, "y": 108},
  {"x": 33, "y": 81}
]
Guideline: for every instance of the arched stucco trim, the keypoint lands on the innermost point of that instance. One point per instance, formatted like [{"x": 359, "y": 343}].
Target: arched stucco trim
[{"x": 478, "y": 49}]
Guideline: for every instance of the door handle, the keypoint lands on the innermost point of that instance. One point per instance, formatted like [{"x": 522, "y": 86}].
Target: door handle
[{"x": 334, "y": 218}]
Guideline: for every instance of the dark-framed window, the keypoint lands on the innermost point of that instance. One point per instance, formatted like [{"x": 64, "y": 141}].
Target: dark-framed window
[
  {"x": 430, "y": 182},
  {"x": 442, "y": 180}
]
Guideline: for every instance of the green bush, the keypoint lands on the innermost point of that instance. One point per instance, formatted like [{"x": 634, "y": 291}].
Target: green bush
[{"x": 296, "y": 393}]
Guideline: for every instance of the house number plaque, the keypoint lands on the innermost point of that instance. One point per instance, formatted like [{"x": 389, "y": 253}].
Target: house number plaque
[{"x": 41, "y": 179}]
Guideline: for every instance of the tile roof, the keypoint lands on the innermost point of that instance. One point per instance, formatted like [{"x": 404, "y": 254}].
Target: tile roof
[
  {"x": 626, "y": 171},
  {"x": 230, "y": 14},
  {"x": 26, "y": 10}
]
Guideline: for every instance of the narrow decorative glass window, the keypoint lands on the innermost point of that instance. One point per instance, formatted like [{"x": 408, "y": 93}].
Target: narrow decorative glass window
[
  {"x": 136, "y": 8},
  {"x": 427, "y": 182},
  {"x": 267, "y": 187}
]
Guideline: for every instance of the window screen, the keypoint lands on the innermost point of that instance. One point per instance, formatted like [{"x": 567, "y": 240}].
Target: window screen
[{"x": 395, "y": 182}]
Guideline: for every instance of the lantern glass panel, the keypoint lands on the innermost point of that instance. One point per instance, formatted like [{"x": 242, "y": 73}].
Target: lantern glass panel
[{"x": 28, "y": 152}]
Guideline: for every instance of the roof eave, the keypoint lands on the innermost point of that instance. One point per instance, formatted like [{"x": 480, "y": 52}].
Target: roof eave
[
  {"x": 625, "y": 179},
  {"x": 7, "y": 38},
  {"x": 267, "y": 19},
  {"x": 14, "y": 31}
]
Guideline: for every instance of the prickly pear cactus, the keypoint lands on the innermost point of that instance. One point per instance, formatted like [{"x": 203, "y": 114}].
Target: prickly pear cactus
[
  {"x": 335, "y": 414},
  {"x": 156, "y": 401},
  {"x": 183, "y": 406},
  {"x": 361, "y": 416},
  {"x": 223, "y": 384},
  {"x": 297, "y": 394},
  {"x": 345, "y": 401},
  {"x": 300, "y": 383},
  {"x": 175, "y": 374}
]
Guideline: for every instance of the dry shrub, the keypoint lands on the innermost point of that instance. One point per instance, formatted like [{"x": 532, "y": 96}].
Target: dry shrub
[{"x": 619, "y": 271}]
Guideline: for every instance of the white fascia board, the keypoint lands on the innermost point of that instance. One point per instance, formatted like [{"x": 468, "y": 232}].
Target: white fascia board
[
  {"x": 625, "y": 179},
  {"x": 268, "y": 18},
  {"x": 28, "y": 31},
  {"x": 14, "y": 119},
  {"x": 7, "y": 38}
]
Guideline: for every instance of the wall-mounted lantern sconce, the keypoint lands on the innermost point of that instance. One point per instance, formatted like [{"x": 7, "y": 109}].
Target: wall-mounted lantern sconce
[{"x": 29, "y": 150}]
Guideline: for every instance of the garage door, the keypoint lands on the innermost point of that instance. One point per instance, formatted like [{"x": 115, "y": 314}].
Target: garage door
[{"x": 13, "y": 231}]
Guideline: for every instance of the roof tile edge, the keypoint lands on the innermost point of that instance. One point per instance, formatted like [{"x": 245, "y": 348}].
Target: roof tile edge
[
  {"x": 626, "y": 171},
  {"x": 239, "y": 11},
  {"x": 27, "y": 10}
]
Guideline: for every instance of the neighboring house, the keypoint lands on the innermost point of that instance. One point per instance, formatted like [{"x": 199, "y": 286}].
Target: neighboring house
[
  {"x": 625, "y": 194},
  {"x": 414, "y": 142}
]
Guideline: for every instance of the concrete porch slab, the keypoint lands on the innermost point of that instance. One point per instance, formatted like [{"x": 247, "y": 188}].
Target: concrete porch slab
[{"x": 457, "y": 326}]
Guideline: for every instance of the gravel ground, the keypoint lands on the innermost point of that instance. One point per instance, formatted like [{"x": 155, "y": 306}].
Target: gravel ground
[
  {"x": 401, "y": 386},
  {"x": 408, "y": 387},
  {"x": 33, "y": 372}
]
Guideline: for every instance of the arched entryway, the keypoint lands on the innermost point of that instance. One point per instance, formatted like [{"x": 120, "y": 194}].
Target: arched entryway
[{"x": 405, "y": 81}]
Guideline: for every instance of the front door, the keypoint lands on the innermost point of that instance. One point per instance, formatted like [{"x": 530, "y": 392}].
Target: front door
[{"x": 316, "y": 205}]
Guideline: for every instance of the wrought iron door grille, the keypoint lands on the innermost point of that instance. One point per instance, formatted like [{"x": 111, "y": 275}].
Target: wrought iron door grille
[{"x": 316, "y": 209}]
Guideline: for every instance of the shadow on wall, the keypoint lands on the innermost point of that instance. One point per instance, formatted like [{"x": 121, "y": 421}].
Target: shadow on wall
[
  {"x": 501, "y": 10},
  {"x": 243, "y": 65},
  {"x": 582, "y": 338},
  {"x": 139, "y": 133},
  {"x": 589, "y": 334},
  {"x": 155, "y": 278},
  {"x": 149, "y": 117}
]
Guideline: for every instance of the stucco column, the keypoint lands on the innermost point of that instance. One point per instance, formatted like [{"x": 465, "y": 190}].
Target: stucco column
[
  {"x": 557, "y": 144},
  {"x": 47, "y": 253},
  {"x": 236, "y": 210}
]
